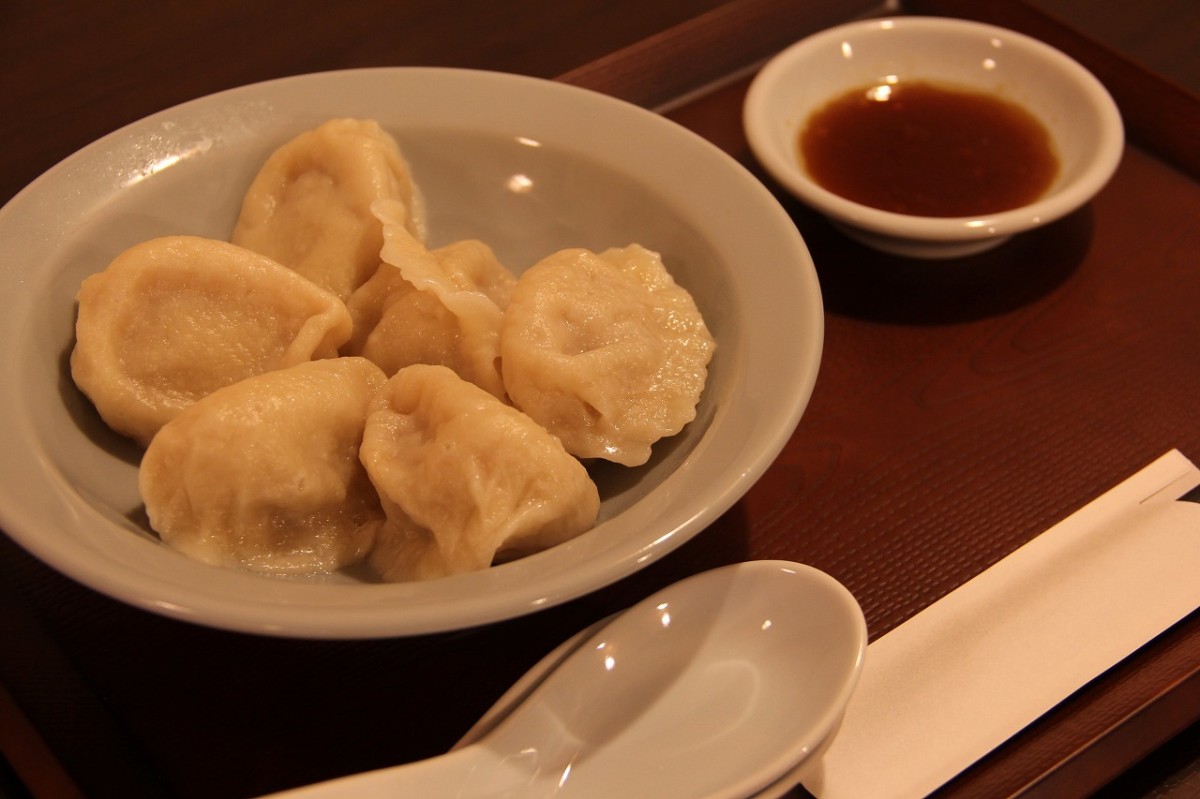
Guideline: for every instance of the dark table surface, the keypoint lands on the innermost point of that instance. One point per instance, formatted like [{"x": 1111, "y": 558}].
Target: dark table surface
[{"x": 961, "y": 409}]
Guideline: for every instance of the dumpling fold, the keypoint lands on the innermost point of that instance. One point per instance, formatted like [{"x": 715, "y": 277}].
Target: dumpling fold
[
  {"x": 175, "y": 318},
  {"x": 605, "y": 350},
  {"x": 465, "y": 479},
  {"x": 309, "y": 206},
  {"x": 265, "y": 474},
  {"x": 441, "y": 306}
]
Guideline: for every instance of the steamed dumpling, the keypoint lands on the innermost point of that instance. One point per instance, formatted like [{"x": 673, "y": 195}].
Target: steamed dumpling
[
  {"x": 606, "y": 351},
  {"x": 441, "y": 306},
  {"x": 309, "y": 206},
  {"x": 173, "y": 319},
  {"x": 465, "y": 479},
  {"x": 265, "y": 475}
]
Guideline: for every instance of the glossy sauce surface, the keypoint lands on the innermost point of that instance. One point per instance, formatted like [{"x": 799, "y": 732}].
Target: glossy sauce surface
[{"x": 928, "y": 150}]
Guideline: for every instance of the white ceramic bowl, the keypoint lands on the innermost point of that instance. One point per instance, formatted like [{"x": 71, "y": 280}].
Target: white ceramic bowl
[
  {"x": 1081, "y": 117},
  {"x": 592, "y": 172}
]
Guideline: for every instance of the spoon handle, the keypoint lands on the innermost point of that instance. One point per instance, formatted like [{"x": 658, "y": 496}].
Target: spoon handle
[
  {"x": 522, "y": 688},
  {"x": 472, "y": 772}
]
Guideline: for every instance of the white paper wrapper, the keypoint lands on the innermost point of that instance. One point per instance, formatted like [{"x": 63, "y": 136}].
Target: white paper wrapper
[{"x": 953, "y": 682}]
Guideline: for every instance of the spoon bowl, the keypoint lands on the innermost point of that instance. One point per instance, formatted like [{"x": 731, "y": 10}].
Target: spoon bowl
[{"x": 717, "y": 686}]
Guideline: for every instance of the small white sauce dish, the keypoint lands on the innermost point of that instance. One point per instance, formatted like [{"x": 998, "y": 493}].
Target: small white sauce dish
[{"x": 1076, "y": 109}]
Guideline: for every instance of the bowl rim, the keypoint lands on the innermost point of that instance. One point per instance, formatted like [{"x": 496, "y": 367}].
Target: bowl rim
[
  {"x": 759, "y": 115},
  {"x": 370, "y": 611}
]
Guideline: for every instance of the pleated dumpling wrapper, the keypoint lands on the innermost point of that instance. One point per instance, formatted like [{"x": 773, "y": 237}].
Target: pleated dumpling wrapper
[
  {"x": 264, "y": 475},
  {"x": 441, "y": 306},
  {"x": 605, "y": 350},
  {"x": 309, "y": 206},
  {"x": 175, "y": 318},
  {"x": 465, "y": 479}
]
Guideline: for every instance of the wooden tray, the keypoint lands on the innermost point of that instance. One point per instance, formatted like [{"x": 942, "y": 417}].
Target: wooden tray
[{"x": 962, "y": 408}]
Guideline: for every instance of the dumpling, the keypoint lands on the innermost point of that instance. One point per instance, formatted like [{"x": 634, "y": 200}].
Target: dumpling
[
  {"x": 173, "y": 319},
  {"x": 309, "y": 206},
  {"x": 441, "y": 306},
  {"x": 606, "y": 351},
  {"x": 465, "y": 479},
  {"x": 264, "y": 475}
]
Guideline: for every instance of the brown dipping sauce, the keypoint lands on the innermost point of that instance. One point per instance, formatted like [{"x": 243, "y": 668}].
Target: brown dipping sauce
[{"x": 921, "y": 149}]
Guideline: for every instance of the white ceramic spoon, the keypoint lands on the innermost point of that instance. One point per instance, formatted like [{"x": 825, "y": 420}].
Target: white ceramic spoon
[
  {"x": 717, "y": 686},
  {"x": 513, "y": 697}
]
